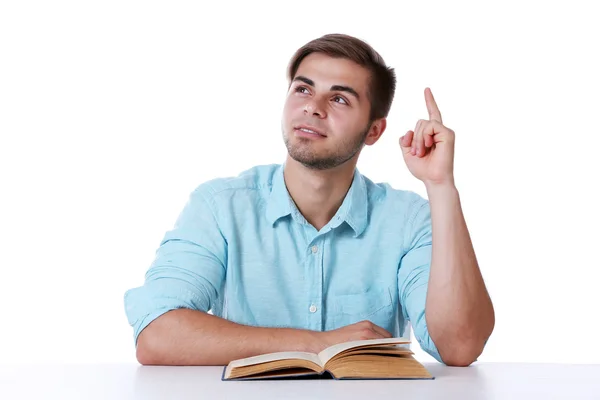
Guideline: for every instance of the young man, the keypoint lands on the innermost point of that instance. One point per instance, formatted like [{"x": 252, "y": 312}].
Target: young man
[{"x": 310, "y": 253}]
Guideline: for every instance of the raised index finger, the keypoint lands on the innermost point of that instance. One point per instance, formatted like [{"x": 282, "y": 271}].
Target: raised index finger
[{"x": 432, "y": 108}]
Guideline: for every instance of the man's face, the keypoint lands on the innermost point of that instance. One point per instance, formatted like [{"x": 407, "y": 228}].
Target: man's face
[{"x": 328, "y": 95}]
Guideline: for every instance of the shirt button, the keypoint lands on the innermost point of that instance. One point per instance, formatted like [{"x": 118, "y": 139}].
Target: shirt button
[
  {"x": 315, "y": 249},
  {"x": 312, "y": 308}
]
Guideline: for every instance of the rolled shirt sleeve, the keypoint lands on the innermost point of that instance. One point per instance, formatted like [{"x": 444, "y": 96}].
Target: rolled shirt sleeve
[
  {"x": 188, "y": 269},
  {"x": 413, "y": 275}
]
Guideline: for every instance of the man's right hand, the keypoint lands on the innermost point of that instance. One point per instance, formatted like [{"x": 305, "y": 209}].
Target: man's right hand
[{"x": 359, "y": 331}]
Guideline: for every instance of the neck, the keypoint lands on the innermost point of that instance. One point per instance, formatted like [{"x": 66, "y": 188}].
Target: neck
[{"x": 318, "y": 194}]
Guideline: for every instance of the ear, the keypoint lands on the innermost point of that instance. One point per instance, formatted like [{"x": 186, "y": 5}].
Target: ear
[{"x": 377, "y": 129}]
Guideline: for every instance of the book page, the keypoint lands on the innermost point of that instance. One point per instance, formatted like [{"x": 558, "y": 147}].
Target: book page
[
  {"x": 283, "y": 355},
  {"x": 398, "y": 349},
  {"x": 332, "y": 351}
]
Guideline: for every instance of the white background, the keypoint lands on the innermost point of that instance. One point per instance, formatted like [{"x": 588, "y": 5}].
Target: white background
[{"x": 112, "y": 112}]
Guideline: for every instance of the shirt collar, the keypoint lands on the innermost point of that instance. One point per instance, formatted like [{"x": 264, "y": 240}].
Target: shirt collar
[
  {"x": 353, "y": 210},
  {"x": 279, "y": 203}
]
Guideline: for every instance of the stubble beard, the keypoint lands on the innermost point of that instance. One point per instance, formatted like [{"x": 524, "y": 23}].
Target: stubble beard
[{"x": 302, "y": 151}]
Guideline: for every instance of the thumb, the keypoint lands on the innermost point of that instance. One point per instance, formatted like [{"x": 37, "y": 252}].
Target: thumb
[{"x": 406, "y": 140}]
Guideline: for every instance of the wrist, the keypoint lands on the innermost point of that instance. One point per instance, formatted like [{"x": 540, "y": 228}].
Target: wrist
[
  {"x": 440, "y": 189},
  {"x": 315, "y": 341}
]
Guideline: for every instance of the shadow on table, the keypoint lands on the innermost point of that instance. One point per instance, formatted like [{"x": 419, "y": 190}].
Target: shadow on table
[
  {"x": 471, "y": 381},
  {"x": 181, "y": 382}
]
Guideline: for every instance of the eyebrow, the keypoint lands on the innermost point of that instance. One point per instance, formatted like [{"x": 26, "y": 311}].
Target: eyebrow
[{"x": 340, "y": 88}]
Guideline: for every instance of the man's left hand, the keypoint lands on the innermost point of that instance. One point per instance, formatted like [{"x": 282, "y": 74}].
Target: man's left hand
[{"x": 429, "y": 150}]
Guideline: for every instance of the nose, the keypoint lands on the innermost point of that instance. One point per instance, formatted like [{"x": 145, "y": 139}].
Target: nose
[{"x": 314, "y": 108}]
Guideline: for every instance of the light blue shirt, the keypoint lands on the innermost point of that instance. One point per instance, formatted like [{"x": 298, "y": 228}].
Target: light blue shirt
[{"x": 241, "y": 248}]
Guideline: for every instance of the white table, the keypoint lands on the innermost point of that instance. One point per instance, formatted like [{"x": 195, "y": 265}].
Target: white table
[{"x": 132, "y": 381}]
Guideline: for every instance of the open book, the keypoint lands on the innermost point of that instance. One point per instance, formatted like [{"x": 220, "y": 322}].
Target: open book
[{"x": 361, "y": 359}]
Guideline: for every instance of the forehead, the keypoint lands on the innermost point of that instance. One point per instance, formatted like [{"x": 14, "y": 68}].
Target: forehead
[{"x": 327, "y": 71}]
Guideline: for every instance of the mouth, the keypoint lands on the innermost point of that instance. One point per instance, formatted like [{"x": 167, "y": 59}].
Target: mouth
[{"x": 308, "y": 131}]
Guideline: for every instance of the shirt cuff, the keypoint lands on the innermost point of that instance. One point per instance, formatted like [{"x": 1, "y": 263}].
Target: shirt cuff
[{"x": 146, "y": 303}]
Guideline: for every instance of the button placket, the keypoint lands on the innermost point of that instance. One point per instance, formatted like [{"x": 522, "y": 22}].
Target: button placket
[{"x": 315, "y": 259}]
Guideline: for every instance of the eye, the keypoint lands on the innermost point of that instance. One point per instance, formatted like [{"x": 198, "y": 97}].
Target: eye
[
  {"x": 300, "y": 88},
  {"x": 340, "y": 97}
]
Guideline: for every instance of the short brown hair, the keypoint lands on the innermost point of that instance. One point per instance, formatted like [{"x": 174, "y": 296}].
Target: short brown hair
[{"x": 383, "y": 78}]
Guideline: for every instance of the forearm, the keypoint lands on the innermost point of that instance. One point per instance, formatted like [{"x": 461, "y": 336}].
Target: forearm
[
  {"x": 459, "y": 311},
  {"x": 189, "y": 337}
]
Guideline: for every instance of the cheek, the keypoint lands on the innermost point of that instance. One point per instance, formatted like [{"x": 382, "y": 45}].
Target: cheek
[
  {"x": 340, "y": 122},
  {"x": 292, "y": 109},
  {"x": 293, "y": 103}
]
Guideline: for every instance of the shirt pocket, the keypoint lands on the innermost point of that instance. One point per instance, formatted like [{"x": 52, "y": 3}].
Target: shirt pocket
[{"x": 374, "y": 304}]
